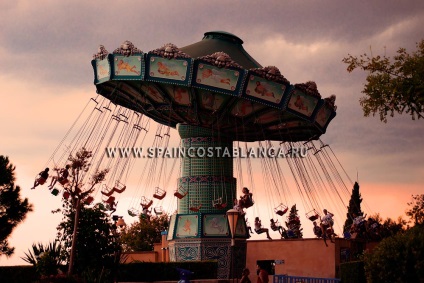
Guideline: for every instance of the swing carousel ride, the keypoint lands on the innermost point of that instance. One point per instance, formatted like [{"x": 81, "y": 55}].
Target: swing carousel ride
[{"x": 216, "y": 96}]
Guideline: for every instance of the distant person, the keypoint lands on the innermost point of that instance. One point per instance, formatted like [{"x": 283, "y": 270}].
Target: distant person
[
  {"x": 259, "y": 229},
  {"x": 41, "y": 178},
  {"x": 62, "y": 176},
  {"x": 246, "y": 200},
  {"x": 317, "y": 230},
  {"x": 275, "y": 226},
  {"x": 326, "y": 221},
  {"x": 262, "y": 274},
  {"x": 245, "y": 276}
]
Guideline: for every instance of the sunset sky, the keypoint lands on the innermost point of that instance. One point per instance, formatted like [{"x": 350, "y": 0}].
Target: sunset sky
[{"x": 46, "y": 79}]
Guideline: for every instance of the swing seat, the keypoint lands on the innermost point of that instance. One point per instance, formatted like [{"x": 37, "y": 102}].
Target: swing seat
[
  {"x": 180, "y": 193},
  {"x": 195, "y": 206},
  {"x": 281, "y": 209},
  {"x": 88, "y": 200},
  {"x": 119, "y": 187},
  {"x": 66, "y": 195},
  {"x": 133, "y": 212},
  {"x": 145, "y": 202},
  {"x": 106, "y": 191},
  {"x": 55, "y": 192},
  {"x": 63, "y": 181},
  {"x": 260, "y": 231},
  {"x": 158, "y": 210},
  {"x": 312, "y": 215},
  {"x": 41, "y": 181},
  {"x": 218, "y": 204},
  {"x": 110, "y": 200},
  {"x": 159, "y": 193}
]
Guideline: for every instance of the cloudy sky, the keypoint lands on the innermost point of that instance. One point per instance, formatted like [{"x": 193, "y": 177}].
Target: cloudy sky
[{"x": 46, "y": 79}]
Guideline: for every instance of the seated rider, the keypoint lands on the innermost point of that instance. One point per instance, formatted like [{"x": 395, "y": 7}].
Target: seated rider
[
  {"x": 276, "y": 227},
  {"x": 259, "y": 229},
  {"x": 246, "y": 199},
  {"x": 358, "y": 224},
  {"x": 237, "y": 206},
  {"x": 326, "y": 221},
  {"x": 62, "y": 175},
  {"x": 41, "y": 178},
  {"x": 317, "y": 230}
]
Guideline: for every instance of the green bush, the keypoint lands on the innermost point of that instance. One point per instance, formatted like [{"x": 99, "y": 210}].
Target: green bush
[
  {"x": 165, "y": 271},
  {"x": 18, "y": 274},
  {"x": 399, "y": 258},
  {"x": 352, "y": 272}
]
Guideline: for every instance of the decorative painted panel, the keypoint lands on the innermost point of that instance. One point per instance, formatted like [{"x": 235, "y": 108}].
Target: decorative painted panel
[
  {"x": 302, "y": 104},
  {"x": 102, "y": 70},
  {"x": 215, "y": 225},
  {"x": 127, "y": 68},
  {"x": 187, "y": 226}
]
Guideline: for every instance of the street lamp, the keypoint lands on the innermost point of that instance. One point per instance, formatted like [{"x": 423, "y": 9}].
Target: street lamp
[{"x": 232, "y": 216}]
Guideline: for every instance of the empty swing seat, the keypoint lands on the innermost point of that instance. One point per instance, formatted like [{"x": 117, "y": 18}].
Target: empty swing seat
[
  {"x": 55, "y": 192},
  {"x": 281, "y": 209},
  {"x": 195, "y": 206},
  {"x": 180, "y": 193},
  {"x": 106, "y": 191},
  {"x": 145, "y": 202},
  {"x": 218, "y": 204},
  {"x": 110, "y": 200},
  {"x": 158, "y": 210},
  {"x": 133, "y": 212},
  {"x": 88, "y": 200},
  {"x": 312, "y": 215},
  {"x": 159, "y": 193},
  {"x": 66, "y": 195},
  {"x": 119, "y": 187}
]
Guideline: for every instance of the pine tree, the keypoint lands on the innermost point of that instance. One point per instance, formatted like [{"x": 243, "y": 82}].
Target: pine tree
[
  {"x": 293, "y": 223},
  {"x": 13, "y": 209},
  {"x": 354, "y": 206}
]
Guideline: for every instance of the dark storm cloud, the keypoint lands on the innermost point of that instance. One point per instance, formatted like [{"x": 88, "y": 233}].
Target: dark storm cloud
[{"x": 68, "y": 33}]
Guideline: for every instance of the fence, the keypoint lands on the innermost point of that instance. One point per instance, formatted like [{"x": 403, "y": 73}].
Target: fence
[{"x": 300, "y": 279}]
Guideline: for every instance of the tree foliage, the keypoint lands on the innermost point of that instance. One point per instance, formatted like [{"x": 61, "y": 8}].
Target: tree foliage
[
  {"x": 142, "y": 234},
  {"x": 13, "y": 209},
  {"x": 46, "y": 259},
  {"x": 293, "y": 223},
  {"x": 416, "y": 211},
  {"x": 96, "y": 244},
  {"x": 392, "y": 85},
  {"x": 399, "y": 258},
  {"x": 353, "y": 207}
]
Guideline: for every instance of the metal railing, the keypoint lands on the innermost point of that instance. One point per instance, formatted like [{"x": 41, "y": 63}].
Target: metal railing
[{"x": 301, "y": 279}]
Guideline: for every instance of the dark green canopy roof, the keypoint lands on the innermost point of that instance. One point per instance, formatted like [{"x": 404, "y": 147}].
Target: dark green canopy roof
[{"x": 221, "y": 41}]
